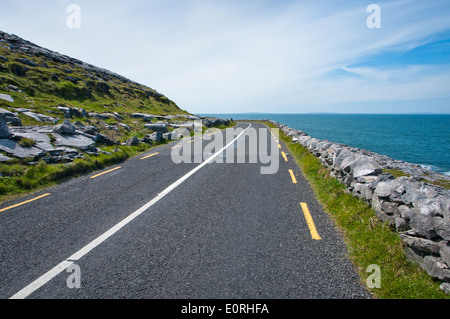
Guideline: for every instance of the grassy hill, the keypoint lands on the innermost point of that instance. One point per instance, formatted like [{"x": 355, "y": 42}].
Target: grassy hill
[
  {"x": 45, "y": 79},
  {"x": 91, "y": 103}
]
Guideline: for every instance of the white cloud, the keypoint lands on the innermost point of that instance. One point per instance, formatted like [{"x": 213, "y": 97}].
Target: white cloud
[{"x": 235, "y": 56}]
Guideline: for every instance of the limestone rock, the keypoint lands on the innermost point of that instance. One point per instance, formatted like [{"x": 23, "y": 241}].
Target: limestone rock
[
  {"x": 66, "y": 128},
  {"x": 12, "y": 147},
  {"x": 4, "y": 158},
  {"x": 445, "y": 254},
  {"x": 118, "y": 116},
  {"x": 40, "y": 117},
  {"x": 78, "y": 141},
  {"x": 158, "y": 127},
  {"x": 71, "y": 112},
  {"x": 426, "y": 216},
  {"x": 145, "y": 117},
  {"x": 422, "y": 244},
  {"x": 27, "y": 62},
  {"x": 445, "y": 287},
  {"x": 154, "y": 137},
  {"x": 42, "y": 140},
  {"x": 364, "y": 167},
  {"x": 211, "y": 122},
  {"x": 4, "y": 129},
  {"x": 99, "y": 116},
  {"x": 124, "y": 126},
  {"x": 435, "y": 268},
  {"x": 384, "y": 189},
  {"x": 6, "y": 97},
  {"x": 102, "y": 139},
  {"x": 10, "y": 117},
  {"x": 134, "y": 141}
]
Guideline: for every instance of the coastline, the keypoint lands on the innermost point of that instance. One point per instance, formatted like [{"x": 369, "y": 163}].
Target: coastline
[
  {"x": 418, "y": 172},
  {"x": 420, "y": 139},
  {"x": 417, "y": 210}
]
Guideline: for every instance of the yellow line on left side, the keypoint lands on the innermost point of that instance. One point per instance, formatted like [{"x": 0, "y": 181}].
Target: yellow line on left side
[
  {"x": 25, "y": 202},
  {"x": 111, "y": 170}
]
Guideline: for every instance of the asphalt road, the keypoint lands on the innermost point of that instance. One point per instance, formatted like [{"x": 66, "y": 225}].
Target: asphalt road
[{"x": 150, "y": 228}]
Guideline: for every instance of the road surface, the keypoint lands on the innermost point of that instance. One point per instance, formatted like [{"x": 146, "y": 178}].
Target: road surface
[{"x": 151, "y": 228}]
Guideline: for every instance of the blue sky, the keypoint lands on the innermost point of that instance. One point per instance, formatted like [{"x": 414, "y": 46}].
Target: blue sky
[{"x": 258, "y": 56}]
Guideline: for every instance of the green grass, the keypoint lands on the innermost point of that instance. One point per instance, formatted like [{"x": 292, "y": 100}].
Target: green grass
[
  {"x": 395, "y": 172},
  {"x": 439, "y": 182},
  {"x": 47, "y": 87},
  {"x": 369, "y": 241},
  {"x": 51, "y": 84},
  {"x": 18, "y": 177},
  {"x": 27, "y": 142}
]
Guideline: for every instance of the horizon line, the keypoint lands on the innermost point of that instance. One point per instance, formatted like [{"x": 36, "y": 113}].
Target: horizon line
[{"x": 339, "y": 113}]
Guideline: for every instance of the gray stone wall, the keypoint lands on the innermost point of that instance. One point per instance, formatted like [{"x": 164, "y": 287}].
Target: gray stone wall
[{"x": 418, "y": 211}]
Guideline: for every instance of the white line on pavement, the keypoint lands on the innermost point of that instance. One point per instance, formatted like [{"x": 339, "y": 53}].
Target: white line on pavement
[{"x": 35, "y": 285}]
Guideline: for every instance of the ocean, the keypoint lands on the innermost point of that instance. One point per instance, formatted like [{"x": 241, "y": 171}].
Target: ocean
[{"x": 414, "y": 138}]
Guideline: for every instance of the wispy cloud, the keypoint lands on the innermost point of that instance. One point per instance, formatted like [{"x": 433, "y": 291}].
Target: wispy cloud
[{"x": 235, "y": 56}]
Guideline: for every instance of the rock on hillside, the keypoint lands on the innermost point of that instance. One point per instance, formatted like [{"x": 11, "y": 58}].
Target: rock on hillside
[{"x": 56, "y": 108}]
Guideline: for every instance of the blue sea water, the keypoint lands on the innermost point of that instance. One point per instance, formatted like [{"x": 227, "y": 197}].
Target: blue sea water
[{"x": 414, "y": 138}]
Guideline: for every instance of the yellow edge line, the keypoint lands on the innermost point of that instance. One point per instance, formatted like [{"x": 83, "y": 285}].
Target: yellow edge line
[
  {"x": 25, "y": 202},
  {"x": 294, "y": 180},
  {"x": 176, "y": 146},
  {"x": 149, "y": 155},
  {"x": 284, "y": 156},
  {"x": 106, "y": 172},
  {"x": 310, "y": 222}
]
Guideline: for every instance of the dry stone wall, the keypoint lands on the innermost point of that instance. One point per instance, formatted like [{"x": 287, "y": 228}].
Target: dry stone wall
[{"x": 418, "y": 211}]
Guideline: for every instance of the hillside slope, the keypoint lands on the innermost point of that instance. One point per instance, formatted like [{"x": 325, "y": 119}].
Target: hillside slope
[
  {"x": 48, "y": 79},
  {"x": 61, "y": 117}
]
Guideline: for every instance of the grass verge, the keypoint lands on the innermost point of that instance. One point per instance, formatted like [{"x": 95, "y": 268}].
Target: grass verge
[
  {"x": 369, "y": 241},
  {"x": 18, "y": 177}
]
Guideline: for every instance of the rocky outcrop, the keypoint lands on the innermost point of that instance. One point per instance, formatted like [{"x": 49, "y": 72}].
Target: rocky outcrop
[
  {"x": 40, "y": 117},
  {"x": 208, "y": 122},
  {"x": 4, "y": 129},
  {"x": 13, "y": 148},
  {"x": 159, "y": 127},
  {"x": 66, "y": 128},
  {"x": 52, "y": 141},
  {"x": 134, "y": 141},
  {"x": 10, "y": 117},
  {"x": 154, "y": 137},
  {"x": 100, "y": 75},
  {"x": 71, "y": 112},
  {"x": 144, "y": 117},
  {"x": 31, "y": 71},
  {"x": 419, "y": 211},
  {"x": 6, "y": 97}
]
